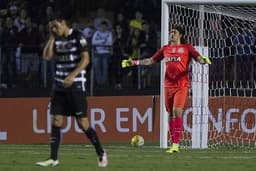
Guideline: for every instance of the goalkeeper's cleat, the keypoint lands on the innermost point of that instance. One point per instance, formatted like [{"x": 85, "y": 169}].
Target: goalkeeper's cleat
[
  {"x": 126, "y": 63},
  {"x": 103, "y": 160},
  {"x": 49, "y": 162},
  {"x": 206, "y": 59},
  {"x": 174, "y": 149}
]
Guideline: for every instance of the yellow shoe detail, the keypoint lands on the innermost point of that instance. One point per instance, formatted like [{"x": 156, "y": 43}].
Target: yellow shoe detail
[{"x": 174, "y": 149}]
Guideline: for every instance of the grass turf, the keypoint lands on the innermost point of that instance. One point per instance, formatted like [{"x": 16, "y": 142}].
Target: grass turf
[{"x": 123, "y": 157}]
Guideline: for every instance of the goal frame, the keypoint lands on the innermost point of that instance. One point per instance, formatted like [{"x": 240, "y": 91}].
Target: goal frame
[{"x": 164, "y": 41}]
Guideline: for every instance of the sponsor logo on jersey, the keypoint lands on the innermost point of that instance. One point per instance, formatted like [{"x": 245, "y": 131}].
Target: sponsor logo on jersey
[
  {"x": 173, "y": 59},
  {"x": 180, "y": 50}
]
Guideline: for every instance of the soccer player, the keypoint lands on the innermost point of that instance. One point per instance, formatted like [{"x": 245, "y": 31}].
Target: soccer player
[
  {"x": 177, "y": 55},
  {"x": 68, "y": 48}
]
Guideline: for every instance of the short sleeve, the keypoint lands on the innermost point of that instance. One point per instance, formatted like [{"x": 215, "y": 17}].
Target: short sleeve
[
  {"x": 193, "y": 52},
  {"x": 159, "y": 55},
  {"x": 82, "y": 43}
]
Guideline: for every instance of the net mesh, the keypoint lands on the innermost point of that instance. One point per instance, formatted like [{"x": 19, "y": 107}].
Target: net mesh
[{"x": 229, "y": 33}]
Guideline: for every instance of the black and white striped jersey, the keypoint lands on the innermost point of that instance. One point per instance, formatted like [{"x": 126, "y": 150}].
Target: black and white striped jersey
[{"x": 67, "y": 56}]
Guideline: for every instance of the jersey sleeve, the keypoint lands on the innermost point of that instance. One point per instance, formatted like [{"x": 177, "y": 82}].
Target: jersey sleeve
[
  {"x": 193, "y": 52},
  {"x": 159, "y": 55},
  {"x": 82, "y": 42}
]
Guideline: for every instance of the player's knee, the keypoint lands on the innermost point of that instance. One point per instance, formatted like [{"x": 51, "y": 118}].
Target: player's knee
[
  {"x": 177, "y": 112},
  {"x": 57, "y": 121},
  {"x": 83, "y": 123}
]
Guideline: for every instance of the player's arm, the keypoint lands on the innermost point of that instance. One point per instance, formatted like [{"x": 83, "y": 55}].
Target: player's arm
[
  {"x": 147, "y": 61},
  {"x": 199, "y": 58},
  {"x": 48, "y": 51},
  {"x": 129, "y": 62},
  {"x": 81, "y": 65},
  {"x": 68, "y": 81}
]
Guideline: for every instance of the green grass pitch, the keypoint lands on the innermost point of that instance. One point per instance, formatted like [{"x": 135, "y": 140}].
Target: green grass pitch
[{"x": 123, "y": 157}]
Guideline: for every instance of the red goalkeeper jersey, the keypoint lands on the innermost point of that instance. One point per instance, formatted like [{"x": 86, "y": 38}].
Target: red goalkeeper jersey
[{"x": 176, "y": 58}]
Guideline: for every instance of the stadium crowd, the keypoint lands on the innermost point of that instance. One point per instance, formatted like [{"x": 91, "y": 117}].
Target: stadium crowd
[{"x": 127, "y": 31}]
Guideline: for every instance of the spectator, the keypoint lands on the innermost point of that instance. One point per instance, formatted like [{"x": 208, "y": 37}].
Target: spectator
[
  {"x": 13, "y": 11},
  {"x": 101, "y": 16},
  {"x": 136, "y": 23},
  {"x": 102, "y": 41},
  {"x": 43, "y": 64},
  {"x": 148, "y": 45},
  {"x": 19, "y": 21},
  {"x": 9, "y": 45},
  {"x": 148, "y": 40},
  {"x": 119, "y": 53},
  {"x": 29, "y": 43},
  {"x": 122, "y": 22},
  {"x": 89, "y": 30},
  {"x": 134, "y": 42},
  {"x": 48, "y": 14}
]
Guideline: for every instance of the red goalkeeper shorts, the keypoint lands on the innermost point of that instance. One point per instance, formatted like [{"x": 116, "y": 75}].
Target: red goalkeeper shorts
[{"x": 175, "y": 97}]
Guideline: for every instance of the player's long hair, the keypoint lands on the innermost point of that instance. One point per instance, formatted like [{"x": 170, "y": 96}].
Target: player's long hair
[{"x": 181, "y": 30}]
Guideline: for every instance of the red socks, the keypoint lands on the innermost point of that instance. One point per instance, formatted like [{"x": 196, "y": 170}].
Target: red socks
[
  {"x": 172, "y": 129},
  {"x": 178, "y": 129},
  {"x": 175, "y": 129}
]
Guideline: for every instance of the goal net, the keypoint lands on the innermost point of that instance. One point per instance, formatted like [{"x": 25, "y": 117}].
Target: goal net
[{"x": 221, "y": 110}]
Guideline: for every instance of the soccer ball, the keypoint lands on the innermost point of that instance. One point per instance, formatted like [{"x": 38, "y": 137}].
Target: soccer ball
[{"x": 137, "y": 141}]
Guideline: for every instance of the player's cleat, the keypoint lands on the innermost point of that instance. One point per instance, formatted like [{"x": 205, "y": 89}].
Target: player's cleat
[
  {"x": 174, "y": 149},
  {"x": 103, "y": 160},
  {"x": 49, "y": 162}
]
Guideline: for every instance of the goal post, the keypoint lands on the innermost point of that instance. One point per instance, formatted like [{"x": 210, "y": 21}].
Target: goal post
[{"x": 200, "y": 89}]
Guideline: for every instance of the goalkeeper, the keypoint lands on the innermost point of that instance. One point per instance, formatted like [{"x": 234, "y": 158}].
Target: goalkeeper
[{"x": 176, "y": 55}]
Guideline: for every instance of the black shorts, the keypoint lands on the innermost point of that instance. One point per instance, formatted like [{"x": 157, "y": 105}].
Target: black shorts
[{"x": 69, "y": 103}]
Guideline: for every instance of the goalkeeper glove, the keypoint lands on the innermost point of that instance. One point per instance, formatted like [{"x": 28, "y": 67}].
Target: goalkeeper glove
[
  {"x": 206, "y": 59},
  {"x": 129, "y": 62}
]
